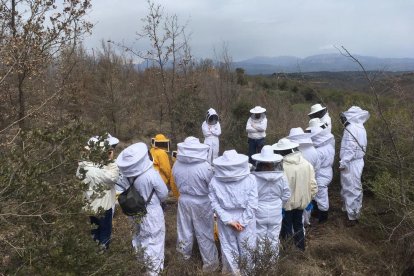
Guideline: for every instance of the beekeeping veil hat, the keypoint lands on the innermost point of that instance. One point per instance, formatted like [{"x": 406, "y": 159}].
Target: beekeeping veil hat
[
  {"x": 191, "y": 148},
  {"x": 134, "y": 160},
  {"x": 231, "y": 166}
]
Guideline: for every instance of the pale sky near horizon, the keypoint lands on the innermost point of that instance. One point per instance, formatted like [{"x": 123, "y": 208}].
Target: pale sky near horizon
[{"x": 381, "y": 28}]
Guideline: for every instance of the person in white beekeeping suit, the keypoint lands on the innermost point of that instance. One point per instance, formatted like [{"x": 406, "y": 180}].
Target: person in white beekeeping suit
[
  {"x": 137, "y": 169},
  {"x": 273, "y": 191},
  {"x": 321, "y": 112},
  {"x": 256, "y": 130},
  {"x": 195, "y": 219},
  {"x": 297, "y": 135},
  {"x": 211, "y": 131},
  {"x": 351, "y": 164},
  {"x": 233, "y": 195},
  {"x": 324, "y": 142},
  {"x": 99, "y": 178},
  {"x": 302, "y": 184}
]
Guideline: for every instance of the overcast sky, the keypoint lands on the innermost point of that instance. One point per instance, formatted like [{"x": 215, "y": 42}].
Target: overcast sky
[{"x": 382, "y": 28}]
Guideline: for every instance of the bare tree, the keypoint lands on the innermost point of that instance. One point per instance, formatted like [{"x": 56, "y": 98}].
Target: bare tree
[{"x": 33, "y": 32}]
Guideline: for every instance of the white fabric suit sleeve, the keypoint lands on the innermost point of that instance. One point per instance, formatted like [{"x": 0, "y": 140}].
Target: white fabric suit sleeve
[
  {"x": 348, "y": 149},
  {"x": 313, "y": 184},
  {"x": 216, "y": 129},
  {"x": 160, "y": 188},
  {"x": 252, "y": 205},
  {"x": 262, "y": 125},
  {"x": 107, "y": 175},
  {"x": 249, "y": 127},
  {"x": 224, "y": 216},
  {"x": 206, "y": 130},
  {"x": 285, "y": 190}
]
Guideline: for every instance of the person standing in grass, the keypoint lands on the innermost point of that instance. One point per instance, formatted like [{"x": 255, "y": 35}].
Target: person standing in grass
[
  {"x": 256, "y": 130},
  {"x": 273, "y": 191},
  {"x": 353, "y": 148},
  {"x": 302, "y": 184},
  {"x": 233, "y": 196},
  {"x": 137, "y": 171},
  {"x": 195, "y": 220},
  {"x": 101, "y": 180}
]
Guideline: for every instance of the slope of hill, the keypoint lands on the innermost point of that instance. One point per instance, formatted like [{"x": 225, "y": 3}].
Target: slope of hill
[{"x": 327, "y": 62}]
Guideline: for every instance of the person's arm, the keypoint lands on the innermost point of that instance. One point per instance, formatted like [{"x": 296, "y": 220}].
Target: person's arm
[
  {"x": 313, "y": 185},
  {"x": 348, "y": 148},
  {"x": 165, "y": 167},
  {"x": 160, "y": 188},
  {"x": 262, "y": 125},
  {"x": 249, "y": 126},
  {"x": 252, "y": 204},
  {"x": 173, "y": 184},
  {"x": 285, "y": 190},
  {"x": 224, "y": 216},
  {"x": 206, "y": 129},
  {"x": 216, "y": 129}
]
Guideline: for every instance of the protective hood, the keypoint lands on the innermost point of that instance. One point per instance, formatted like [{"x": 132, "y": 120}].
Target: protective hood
[
  {"x": 192, "y": 150},
  {"x": 356, "y": 115},
  {"x": 211, "y": 112},
  {"x": 297, "y": 135},
  {"x": 134, "y": 160},
  {"x": 269, "y": 176},
  {"x": 321, "y": 136},
  {"x": 231, "y": 166}
]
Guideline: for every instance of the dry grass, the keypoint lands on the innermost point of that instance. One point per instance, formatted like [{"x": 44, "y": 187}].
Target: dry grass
[{"x": 331, "y": 249}]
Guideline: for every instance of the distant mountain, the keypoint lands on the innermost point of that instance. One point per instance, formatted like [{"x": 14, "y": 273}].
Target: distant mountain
[{"x": 317, "y": 63}]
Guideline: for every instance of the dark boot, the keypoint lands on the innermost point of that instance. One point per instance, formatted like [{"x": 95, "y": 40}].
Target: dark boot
[{"x": 323, "y": 216}]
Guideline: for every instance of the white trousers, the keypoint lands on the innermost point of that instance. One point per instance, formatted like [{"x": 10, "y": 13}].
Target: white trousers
[
  {"x": 195, "y": 219},
  {"x": 213, "y": 142},
  {"x": 323, "y": 179},
  {"x": 150, "y": 236},
  {"x": 234, "y": 243},
  {"x": 351, "y": 191}
]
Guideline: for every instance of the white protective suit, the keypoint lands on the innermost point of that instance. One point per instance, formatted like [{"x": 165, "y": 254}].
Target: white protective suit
[
  {"x": 326, "y": 119},
  {"x": 324, "y": 142},
  {"x": 195, "y": 219},
  {"x": 106, "y": 176},
  {"x": 297, "y": 135},
  {"x": 134, "y": 163},
  {"x": 352, "y": 152},
  {"x": 273, "y": 191},
  {"x": 211, "y": 134},
  {"x": 233, "y": 195},
  {"x": 256, "y": 129}
]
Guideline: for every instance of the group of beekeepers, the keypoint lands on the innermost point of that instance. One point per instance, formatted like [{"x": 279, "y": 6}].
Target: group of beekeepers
[{"x": 268, "y": 194}]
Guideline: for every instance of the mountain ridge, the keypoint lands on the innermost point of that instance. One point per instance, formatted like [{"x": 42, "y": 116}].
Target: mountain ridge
[{"x": 322, "y": 62}]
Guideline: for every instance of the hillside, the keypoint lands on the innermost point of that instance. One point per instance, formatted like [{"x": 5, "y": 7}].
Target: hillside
[{"x": 326, "y": 62}]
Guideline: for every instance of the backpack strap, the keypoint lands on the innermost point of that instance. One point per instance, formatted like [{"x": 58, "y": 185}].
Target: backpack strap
[{"x": 150, "y": 196}]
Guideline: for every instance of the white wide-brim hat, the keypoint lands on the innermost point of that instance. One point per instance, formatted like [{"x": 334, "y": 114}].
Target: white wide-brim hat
[
  {"x": 134, "y": 160},
  {"x": 231, "y": 166},
  {"x": 284, "y": 144},
  {"x": 316, "y": 108},
  {"x": 267, "y": 155},
  {"x": 297, "y": 135},
  {"x": 191, "y": 147},
  {"x": 257, "y": 110}
]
